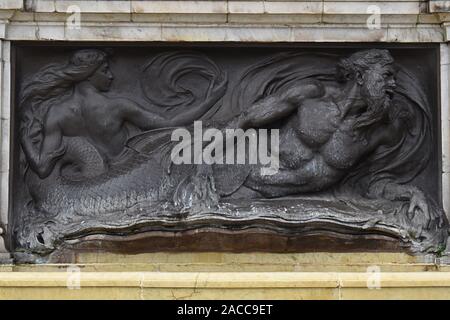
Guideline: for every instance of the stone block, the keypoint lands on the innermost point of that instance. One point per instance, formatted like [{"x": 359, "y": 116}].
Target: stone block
[
  {"x": 178, "y": 6},
  {"x": 364, "y": 7},
  {"x": 114, "y": 32},
  {"x": 11, "y": 4},
  {"x": 41, "y": 6},
  {"x": 337, "y": 34},
  {"x": 22, "y": 16},
  {"x": 246, "y": 7},
  {"x": 273, "y": 19},
  {"x": 398, "y": 33},
  {"x": 278, "y": 7},
  {"x": 171, "y": 18},
  {"x": 231, "y": 33},
  {"x": 439, "y": 6},
  {"x": 98, "y": 6}
]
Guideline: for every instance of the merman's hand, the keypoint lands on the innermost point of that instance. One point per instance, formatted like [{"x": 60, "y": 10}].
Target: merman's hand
[
  {"x": 418, "y": 203},
  {"x": 419, "y": 208}
]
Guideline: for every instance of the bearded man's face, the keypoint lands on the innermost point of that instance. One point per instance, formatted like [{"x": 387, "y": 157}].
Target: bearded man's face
[{"x": 378, "y": 83}]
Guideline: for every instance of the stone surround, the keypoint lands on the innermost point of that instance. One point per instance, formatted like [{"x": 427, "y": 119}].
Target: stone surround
[
  {"x": 223, "y": 21},
  {"x": 268, "y": 21}
]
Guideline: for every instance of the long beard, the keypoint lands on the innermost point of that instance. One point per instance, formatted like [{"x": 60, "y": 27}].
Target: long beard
[{"x": 377, "y": 109}]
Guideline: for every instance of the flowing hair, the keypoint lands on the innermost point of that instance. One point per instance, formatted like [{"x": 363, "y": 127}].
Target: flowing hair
[
  {"x": 52, "y": 84},
  {"x": 362, "y": 61}
]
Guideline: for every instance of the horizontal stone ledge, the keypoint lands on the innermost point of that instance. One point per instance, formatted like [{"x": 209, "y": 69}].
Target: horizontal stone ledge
[
  {"x": 327, "y": 7},
  {"x": 254, "y": 261},
  {"x": 226, "y": 6},
  {"x": 275, "y": 7},
  {"x": 225, "y": 279},
  {"x": 223, "y": 33},
  {"x": 341, "y": 19},
  {"x": 355, "y": 7},
  {"x": 219, "y": 18},
  {"x": 315, "y": 7}
]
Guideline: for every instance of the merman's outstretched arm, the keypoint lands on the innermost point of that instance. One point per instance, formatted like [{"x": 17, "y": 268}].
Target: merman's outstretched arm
[{"x": 277, "y": 106}]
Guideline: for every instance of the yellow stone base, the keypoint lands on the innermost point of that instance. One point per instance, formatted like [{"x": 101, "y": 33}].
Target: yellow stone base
[
  {"x": 243, "y": 262},
  {"x": 223, "y": 285},
  {"x": 231, "y": 276}
]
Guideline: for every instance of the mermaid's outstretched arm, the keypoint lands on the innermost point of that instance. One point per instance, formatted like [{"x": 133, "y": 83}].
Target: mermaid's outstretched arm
[{"x": 139, "y": 116}]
